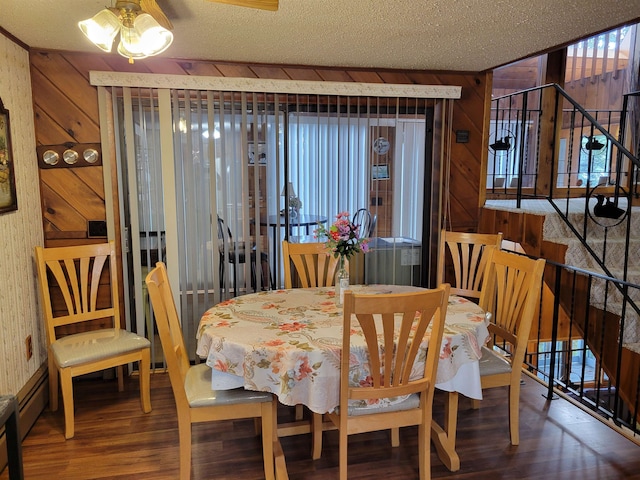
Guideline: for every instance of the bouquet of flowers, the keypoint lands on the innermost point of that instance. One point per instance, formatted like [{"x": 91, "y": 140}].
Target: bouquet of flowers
[{"x": 343, "y": 237}]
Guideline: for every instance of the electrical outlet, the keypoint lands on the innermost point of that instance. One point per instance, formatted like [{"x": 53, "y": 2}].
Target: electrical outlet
[{"x": 29, "y": 345}]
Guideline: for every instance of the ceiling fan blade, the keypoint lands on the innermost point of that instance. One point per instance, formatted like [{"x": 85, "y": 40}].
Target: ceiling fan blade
[
  {"x": 261, "y": 4},
  {"x": 153, "y": 9}
]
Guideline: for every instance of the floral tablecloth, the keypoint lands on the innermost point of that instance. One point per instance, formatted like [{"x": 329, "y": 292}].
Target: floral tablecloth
[{"x": 288, "y": 342}]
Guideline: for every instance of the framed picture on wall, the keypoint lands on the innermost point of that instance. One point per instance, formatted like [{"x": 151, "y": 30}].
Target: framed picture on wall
[
  {"x": 8, "y": 199},
  {"x": 259, "y": 157},
  {"x": 380, "y": 172}
]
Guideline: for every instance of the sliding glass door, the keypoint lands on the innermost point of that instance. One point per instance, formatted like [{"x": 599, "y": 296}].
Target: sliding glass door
[{"x": 246, "y": 170}]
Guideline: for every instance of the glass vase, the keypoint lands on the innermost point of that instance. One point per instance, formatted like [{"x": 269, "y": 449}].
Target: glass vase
[{"x": 342, "y": 280}]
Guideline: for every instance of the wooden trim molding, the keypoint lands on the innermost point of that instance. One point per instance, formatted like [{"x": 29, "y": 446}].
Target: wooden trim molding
[
  {"x": 32, "y": 400},
  {"x": 235, "y": 84}
]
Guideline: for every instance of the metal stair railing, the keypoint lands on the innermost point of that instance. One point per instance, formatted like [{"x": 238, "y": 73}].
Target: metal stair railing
[
  {"x": 570, "y": 167},
  {"x": 544, "y": 145}
]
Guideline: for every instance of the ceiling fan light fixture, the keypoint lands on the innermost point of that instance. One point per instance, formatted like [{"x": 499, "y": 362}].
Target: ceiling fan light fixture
[
  {"x": 101, "y": 29},
  {"x": 141, "y": 35}
]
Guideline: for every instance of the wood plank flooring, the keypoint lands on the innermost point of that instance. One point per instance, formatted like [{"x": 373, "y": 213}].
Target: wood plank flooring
[{"x": 115, "y": 440}]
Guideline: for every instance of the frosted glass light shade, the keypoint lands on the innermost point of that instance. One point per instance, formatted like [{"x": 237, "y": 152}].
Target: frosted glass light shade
[
  {"x": 154, "y": 38},
  {"x": 130, "y": 45},
  {"x": 101, "y": 29}
]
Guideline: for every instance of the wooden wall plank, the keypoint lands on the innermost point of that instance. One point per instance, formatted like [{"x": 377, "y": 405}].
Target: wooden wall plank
[
  {"x": 302, "y": 74},
  {"x": 395, "y": 77},
  {"x": 49, "y": 131},
  {"x": 57, "y": 213},
  {"x": 78, "y": 195},
  {"x": 329, "y": 75},
  {"x": 81, "y": 126},
  {"x": 84, "y": 62},
  {"x": 199, "y": 68},
  {"x": 63, "y": 75},
  {"x": 268, "y": 71},
  {"x": 232, "y": 70},
  {"x": 92, "y": 177},
  {"x": 365, "y": 77}
]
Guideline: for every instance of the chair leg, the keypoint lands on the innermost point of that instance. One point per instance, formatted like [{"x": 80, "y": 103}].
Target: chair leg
[
  {"x": 268, "y": 436},
  {"x": 344, "y": 438},
  {"x": 254, "y": 281},
  {"x": 424, "y": 448},
  {"x": 144, "y": 366},
  {"x": 279, "y": 461},
  {"x": 53, "y": 384},
  {"x": 514, "y": 413},
  {"x": 316, "y": 435},
  {"x": 184, "y": 434},
  {"x": 395, "y": 437},
  {"x": 451, "y": 417},
  {"x": 66, "y": 383},
  {"x": 120, "y": 377}
]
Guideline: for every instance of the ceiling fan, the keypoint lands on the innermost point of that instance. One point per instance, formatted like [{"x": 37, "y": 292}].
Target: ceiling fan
[{"x": 153, "y": 9}]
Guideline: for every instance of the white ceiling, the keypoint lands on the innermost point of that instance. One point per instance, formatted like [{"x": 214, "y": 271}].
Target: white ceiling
[{"x": 461, "y": 35}]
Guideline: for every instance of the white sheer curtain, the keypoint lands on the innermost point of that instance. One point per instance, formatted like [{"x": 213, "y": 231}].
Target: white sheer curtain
[{"x": 328, "y": 163}]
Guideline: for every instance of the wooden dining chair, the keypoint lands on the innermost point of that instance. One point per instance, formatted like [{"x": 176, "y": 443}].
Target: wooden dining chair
[
  {"x": 511, "y": 293},
  {"x": 465, "y": 253},
  {"x": 313, "y": 264},
  {"x": 315, "y": 268},
  {"x": 195, "y": 400},
  {"x": 366, "y": 222},
  {"x": 235, "y": 253},
  {"x": 79, "y": 298},
  {"x": 393, "y": 327}
]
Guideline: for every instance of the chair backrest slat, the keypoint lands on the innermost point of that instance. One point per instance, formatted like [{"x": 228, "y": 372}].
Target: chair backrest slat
[
  {"x": 466, "y": 254},
  {"x": 75, "y": 286},
  {"x": 394, "y": 327},
  {"x": 511, "y": 293},
  {"x": 313, "y": 263}
]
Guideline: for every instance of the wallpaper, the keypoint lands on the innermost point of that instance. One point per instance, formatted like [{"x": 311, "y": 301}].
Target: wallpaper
[{"x": 20, "y": 231}]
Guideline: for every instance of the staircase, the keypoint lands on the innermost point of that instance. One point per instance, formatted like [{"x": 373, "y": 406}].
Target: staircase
[
  {"x": 554, "y": 207},
  {"x": 608, "y": 243}
]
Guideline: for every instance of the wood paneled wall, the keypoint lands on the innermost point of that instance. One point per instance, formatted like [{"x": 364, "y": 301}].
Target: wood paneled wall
[{"x": 66, "y": 111}]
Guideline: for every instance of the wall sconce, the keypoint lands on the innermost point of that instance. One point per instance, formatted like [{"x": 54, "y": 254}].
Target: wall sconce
[
  {"x": 69, "y": 155},
  {"x": 503, "y": 141},
  {"x": 592, "y": 144}
]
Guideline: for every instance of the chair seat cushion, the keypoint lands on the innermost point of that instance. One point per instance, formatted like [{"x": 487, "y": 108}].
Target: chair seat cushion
[
  {"x": 408, "y": 402},
  {"x": 199, "y": 393},
  {"x": 95, "y": 345},
  {"x": 492, "y": 363}
]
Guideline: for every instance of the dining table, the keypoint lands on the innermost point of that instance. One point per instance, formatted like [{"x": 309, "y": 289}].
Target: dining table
[{"x": 288, "y": 342}]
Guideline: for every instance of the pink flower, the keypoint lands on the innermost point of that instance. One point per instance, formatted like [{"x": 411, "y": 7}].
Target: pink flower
[{"x": 343, "y": 237}]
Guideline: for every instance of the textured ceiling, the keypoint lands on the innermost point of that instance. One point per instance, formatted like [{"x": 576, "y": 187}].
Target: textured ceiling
[{"x": 461, "y": 35}]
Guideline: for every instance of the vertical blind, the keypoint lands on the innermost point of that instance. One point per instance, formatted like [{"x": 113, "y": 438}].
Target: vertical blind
[{"x": 238, "y": 159}]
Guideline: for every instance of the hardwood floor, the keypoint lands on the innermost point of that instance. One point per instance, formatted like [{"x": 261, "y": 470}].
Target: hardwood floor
[{"x": 115, "y": 440}]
